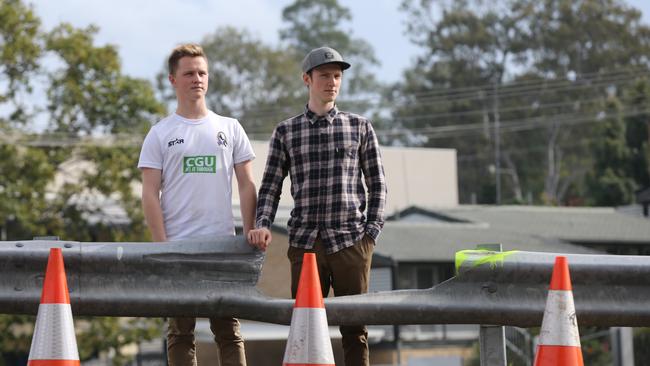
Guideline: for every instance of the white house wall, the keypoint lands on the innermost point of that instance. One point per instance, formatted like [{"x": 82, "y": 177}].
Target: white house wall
[{"x": 415, "y": 176}]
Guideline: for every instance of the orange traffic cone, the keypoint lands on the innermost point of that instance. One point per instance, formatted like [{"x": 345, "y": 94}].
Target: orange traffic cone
[
  {"x": 309, "y": 342},
  {"x": 54, "y": 342},
  {"x": 559, "y": 340}
]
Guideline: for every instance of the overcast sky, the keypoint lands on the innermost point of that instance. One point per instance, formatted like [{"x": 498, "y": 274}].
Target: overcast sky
[{"x": 146, "y": 30}]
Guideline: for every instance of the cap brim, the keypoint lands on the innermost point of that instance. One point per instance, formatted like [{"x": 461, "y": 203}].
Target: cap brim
[{"x": 344, "y": 65}]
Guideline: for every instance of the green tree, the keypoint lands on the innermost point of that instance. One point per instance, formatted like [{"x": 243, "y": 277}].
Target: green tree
[
  {"x": 315, "y": 23},
  {"x": 255, "y": 82},
  {"x": 249, "y": 80},
  {"x": 591, "y": 40},
  {"x": 20, "y": 50},
  {"x": 261, "y": 85},
  {"x": 24, "y": 208},
  {"x": 114, "y": 332},
  {"x": 609, "y": 182},
  {"x": 87, "y": 95},
  {"x": 459, "y": 81},
  {"x": 637, "y": 100},
  {"x": 541, "y": 69}
]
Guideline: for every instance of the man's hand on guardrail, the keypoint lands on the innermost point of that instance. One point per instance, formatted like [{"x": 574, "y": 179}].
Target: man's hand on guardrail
[{"x": 260, "y": 238}]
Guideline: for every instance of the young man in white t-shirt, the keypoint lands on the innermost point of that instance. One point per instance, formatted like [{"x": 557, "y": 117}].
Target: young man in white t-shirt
[{"x": 187, "y": 162}]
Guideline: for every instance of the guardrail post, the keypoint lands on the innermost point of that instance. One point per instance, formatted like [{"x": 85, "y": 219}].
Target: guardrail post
[
  {"x": 492, "y": 338},
  {"x": 622, "y": 346},
  {"x": 493, "y": 345}
]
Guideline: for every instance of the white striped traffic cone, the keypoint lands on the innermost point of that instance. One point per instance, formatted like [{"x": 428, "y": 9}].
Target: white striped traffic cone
[
  {"x": 54, "y": 342},
  {"x": 309, "y": 342},
  {"x": 559, "y": 340}
]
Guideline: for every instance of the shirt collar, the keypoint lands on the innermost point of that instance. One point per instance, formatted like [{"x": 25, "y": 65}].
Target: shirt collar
[{"x": 313, "y": 117}]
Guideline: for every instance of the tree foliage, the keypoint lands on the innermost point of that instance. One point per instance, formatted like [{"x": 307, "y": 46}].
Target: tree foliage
[
  {"x": 513, "y": 82},
  {"x": 261, "y": 84},
  {"x": 609, "y": 182},
  {"x": 315, "y": 23},
  {"x": 89, "y": 93},
  {"x": 637, "y": 99},
  {"x": 311, "y": 24},
  {"x": 258, "y": 83},
  {"x": 23, "y": 203},
  {"x": 58, "y": 187},
  {"x": 20, "y": 50},
  {"x": 254, "y": 82}
]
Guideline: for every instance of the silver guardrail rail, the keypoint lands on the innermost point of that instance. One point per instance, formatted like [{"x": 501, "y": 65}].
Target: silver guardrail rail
[{"x": 217, "y": 277}]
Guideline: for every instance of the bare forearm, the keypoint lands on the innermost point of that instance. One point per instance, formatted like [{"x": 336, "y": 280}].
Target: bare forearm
[
  {"x": 247, "y": 203},
  {"x": 247, "y": 193},
  {"x": 154, "y": 218}
]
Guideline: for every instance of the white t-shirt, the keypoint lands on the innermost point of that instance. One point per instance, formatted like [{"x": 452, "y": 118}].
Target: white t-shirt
[{"x": 196, "y": 158}]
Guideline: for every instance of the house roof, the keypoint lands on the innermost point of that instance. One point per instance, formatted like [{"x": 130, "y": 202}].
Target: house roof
[
  {"x": 421, "y": 242},
  {"x": 571, "y": 224},
  {"x": 437, "y": 234}
]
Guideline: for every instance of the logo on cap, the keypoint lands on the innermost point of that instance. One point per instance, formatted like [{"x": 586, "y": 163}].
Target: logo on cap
[{"x": 329, "y": 55}]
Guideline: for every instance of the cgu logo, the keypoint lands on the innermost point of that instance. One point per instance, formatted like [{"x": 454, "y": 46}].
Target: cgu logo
[{"x": 200, "y": 164}]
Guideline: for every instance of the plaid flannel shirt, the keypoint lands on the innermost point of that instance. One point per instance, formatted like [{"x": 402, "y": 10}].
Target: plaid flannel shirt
[{"x": 325, "y": 157}]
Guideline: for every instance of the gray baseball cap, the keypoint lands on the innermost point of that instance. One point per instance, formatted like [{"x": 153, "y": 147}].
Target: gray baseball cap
[{"x": 322, "y": 56}]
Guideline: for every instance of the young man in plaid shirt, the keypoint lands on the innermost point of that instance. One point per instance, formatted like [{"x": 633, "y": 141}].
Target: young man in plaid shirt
[{"x": 327, "y": 152}]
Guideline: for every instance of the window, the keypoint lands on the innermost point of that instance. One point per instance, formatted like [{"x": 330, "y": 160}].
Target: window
[{"x": 423, "y": 275}]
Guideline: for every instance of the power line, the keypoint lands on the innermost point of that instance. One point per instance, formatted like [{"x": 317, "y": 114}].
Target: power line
[
  {"x": 447, "y": 97},
  {"x": 580, "y": 143},
  {"x": 537, "y": 83},
  {"x": 483, "y": 111},
  {"x": 507, "y": 126},
  {"x": 514, "y": 125},
  {"x": 532, "y": 91},
  {"x": 605, "y": 79}
]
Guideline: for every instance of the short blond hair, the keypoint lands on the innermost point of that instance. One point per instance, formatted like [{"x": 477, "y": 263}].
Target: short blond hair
[{"x": 188, "y": 49}]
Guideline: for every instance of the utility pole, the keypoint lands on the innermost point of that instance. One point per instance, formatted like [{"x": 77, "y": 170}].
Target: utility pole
[{"x": 497, "y": 140}]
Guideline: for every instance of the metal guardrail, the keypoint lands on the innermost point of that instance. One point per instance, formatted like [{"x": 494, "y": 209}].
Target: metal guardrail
[
  {"x": 199, "y": 277},
  {"x": 217, "y": 277},
  {"x": 510, "y": 288}
]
